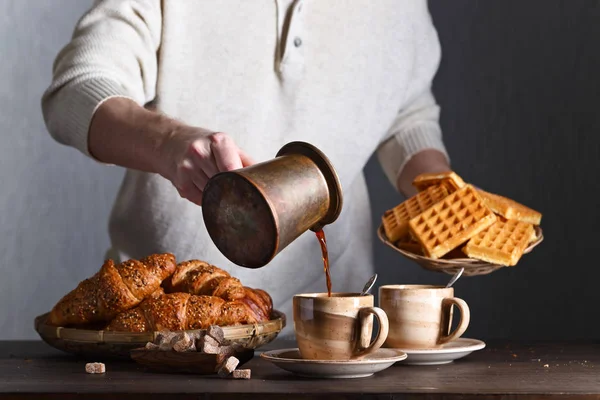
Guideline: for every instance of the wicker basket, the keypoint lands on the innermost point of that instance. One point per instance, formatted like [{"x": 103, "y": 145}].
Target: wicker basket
[
  {"x": 472, "y": 267},
  {"x": 97, "y": 343}
]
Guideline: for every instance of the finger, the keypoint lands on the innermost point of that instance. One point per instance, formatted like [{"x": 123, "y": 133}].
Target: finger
[
  {"x": 197, "y": 176},
  {"x": 186, "y": 186},
  {"x": 190, "y": 192},
  {"x": 202, "y": 157},
  {"x": 225, "y": 152},
  {"x": 246, "y": 159}
]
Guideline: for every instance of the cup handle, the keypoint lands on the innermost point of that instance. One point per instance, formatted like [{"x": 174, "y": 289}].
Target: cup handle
[
  {"x": 465, "y": 317},
  {"x": 382, "y": 333}
]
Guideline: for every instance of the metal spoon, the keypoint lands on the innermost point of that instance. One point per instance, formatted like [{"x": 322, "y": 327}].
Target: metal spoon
[
  {"x": 455, "y": 277},
  {"x": 369, "y": 285}
]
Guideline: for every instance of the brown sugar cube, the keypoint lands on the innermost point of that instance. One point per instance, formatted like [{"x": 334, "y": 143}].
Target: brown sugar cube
[
  {"x": 241, "y": 374},
  {"x": 228, "y": 366},
  {"x": 176, "y": 337},
  {"x": 184, "y": 343},
  {"x": 95, "y": 368},
  {"x": 200, "y": 342},
  {"x": 216, "y": 333},
  {"x": 165, "y": 340},
  {"x": 212, "y": 341},
  {"x": 151, "y": 346},
  {"x": 209, "y": 348}
]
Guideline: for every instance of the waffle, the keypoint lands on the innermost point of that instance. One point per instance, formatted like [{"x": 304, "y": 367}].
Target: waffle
[
  {"x": 395, "y": 221},
  {"x": 408, "y": 244},
  {"x": 502, "y": 243},
  {"x": 449, "y": 179},
  {"x": 510, "y": 209},
  {"x": 451, "y": 222}
]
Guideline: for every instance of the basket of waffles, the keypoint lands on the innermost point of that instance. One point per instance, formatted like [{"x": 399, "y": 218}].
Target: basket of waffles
[{"x": 450, "y": 224}]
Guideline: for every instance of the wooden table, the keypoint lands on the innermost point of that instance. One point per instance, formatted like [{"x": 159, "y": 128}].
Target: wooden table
[{"x": 502, "y": 370}]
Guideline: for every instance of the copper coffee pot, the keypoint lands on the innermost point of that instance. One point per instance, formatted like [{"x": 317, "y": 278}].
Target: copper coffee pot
[{"x": 253, "y": 213}]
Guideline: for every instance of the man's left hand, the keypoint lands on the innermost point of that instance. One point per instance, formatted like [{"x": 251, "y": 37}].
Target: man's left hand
[{"x": 426, "y": 161}]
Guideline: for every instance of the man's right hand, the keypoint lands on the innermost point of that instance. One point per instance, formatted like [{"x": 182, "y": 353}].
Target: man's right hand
[
  {"x": 126, "y": 134},
  {"x": 191, "y": 156}
]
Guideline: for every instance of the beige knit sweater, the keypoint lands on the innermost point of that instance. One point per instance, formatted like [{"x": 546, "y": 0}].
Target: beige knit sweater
[{"x": 349, "y": 76}]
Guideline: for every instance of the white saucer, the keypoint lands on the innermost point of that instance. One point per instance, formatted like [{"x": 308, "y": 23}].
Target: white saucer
[
  {"x": 290, "y": 360},
  {"x": 449, "y": 352}
]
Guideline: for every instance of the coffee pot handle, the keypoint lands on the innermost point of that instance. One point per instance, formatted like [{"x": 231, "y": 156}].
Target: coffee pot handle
[
  {"x": 465, "y": 317},
  {"x": 382, "y": 333}
]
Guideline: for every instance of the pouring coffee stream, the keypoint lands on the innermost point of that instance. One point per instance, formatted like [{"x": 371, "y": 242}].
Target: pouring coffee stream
[{"x": 323, "y": 242}]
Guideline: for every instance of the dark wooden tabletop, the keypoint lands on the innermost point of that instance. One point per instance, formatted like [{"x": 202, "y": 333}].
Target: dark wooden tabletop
[{"x": 502, "y": 370}]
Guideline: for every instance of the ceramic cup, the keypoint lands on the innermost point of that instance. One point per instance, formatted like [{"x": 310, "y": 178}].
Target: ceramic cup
[
  {"x": 420, "y": 316},
  {"x": 337, "y": 327}
]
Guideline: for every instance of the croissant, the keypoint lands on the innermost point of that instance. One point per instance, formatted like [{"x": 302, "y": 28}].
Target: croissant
[
  {"x": 181, "y": 311},
  {"x": 200, "y": 278},
  {"x": 112, "y": 290}
]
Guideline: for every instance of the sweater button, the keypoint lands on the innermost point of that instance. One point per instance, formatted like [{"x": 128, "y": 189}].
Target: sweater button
[{"x": 297, "y": 42}]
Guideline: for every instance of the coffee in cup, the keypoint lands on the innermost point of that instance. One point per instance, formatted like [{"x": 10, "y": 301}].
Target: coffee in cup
[
  {"x": 420, "y": 316},
  {"x": 337, "y": 327}
]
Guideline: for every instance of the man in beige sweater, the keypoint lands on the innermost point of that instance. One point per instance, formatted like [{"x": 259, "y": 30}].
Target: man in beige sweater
[{"x": 178, "y": 90}]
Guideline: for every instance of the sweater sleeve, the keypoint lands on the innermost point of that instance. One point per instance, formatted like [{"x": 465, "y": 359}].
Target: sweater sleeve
[
  {"x": 416, "y": 126},
  {"x": 113, "y": 52}
]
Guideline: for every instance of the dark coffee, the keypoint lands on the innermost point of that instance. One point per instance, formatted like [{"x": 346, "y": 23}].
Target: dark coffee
[{"x": 323, "y": 242}]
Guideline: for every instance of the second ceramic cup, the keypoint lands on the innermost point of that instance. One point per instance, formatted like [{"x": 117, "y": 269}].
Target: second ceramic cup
[{"x": 420, "y": 316}]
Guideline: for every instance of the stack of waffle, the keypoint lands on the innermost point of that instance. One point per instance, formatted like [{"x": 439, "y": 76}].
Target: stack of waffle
[{"x": 449, "y": 218}]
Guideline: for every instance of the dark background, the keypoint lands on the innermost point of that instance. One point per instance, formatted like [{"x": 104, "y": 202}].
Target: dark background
[{"x": 519, "y": 87}]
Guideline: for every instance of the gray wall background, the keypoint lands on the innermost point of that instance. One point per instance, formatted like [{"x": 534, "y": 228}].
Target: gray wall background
[
  {"x": 519, "y": 87},
  {"x": 54, "y": 202}
]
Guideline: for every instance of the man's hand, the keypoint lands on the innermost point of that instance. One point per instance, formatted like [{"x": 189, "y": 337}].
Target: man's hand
[
  {"x": 191, "y": 156},
  {"x": 422, "y": 162},
  {"x": 126, "y": 134}
]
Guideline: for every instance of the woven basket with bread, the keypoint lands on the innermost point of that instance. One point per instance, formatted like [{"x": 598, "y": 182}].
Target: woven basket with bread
[{"x": 125, "y": 305}]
